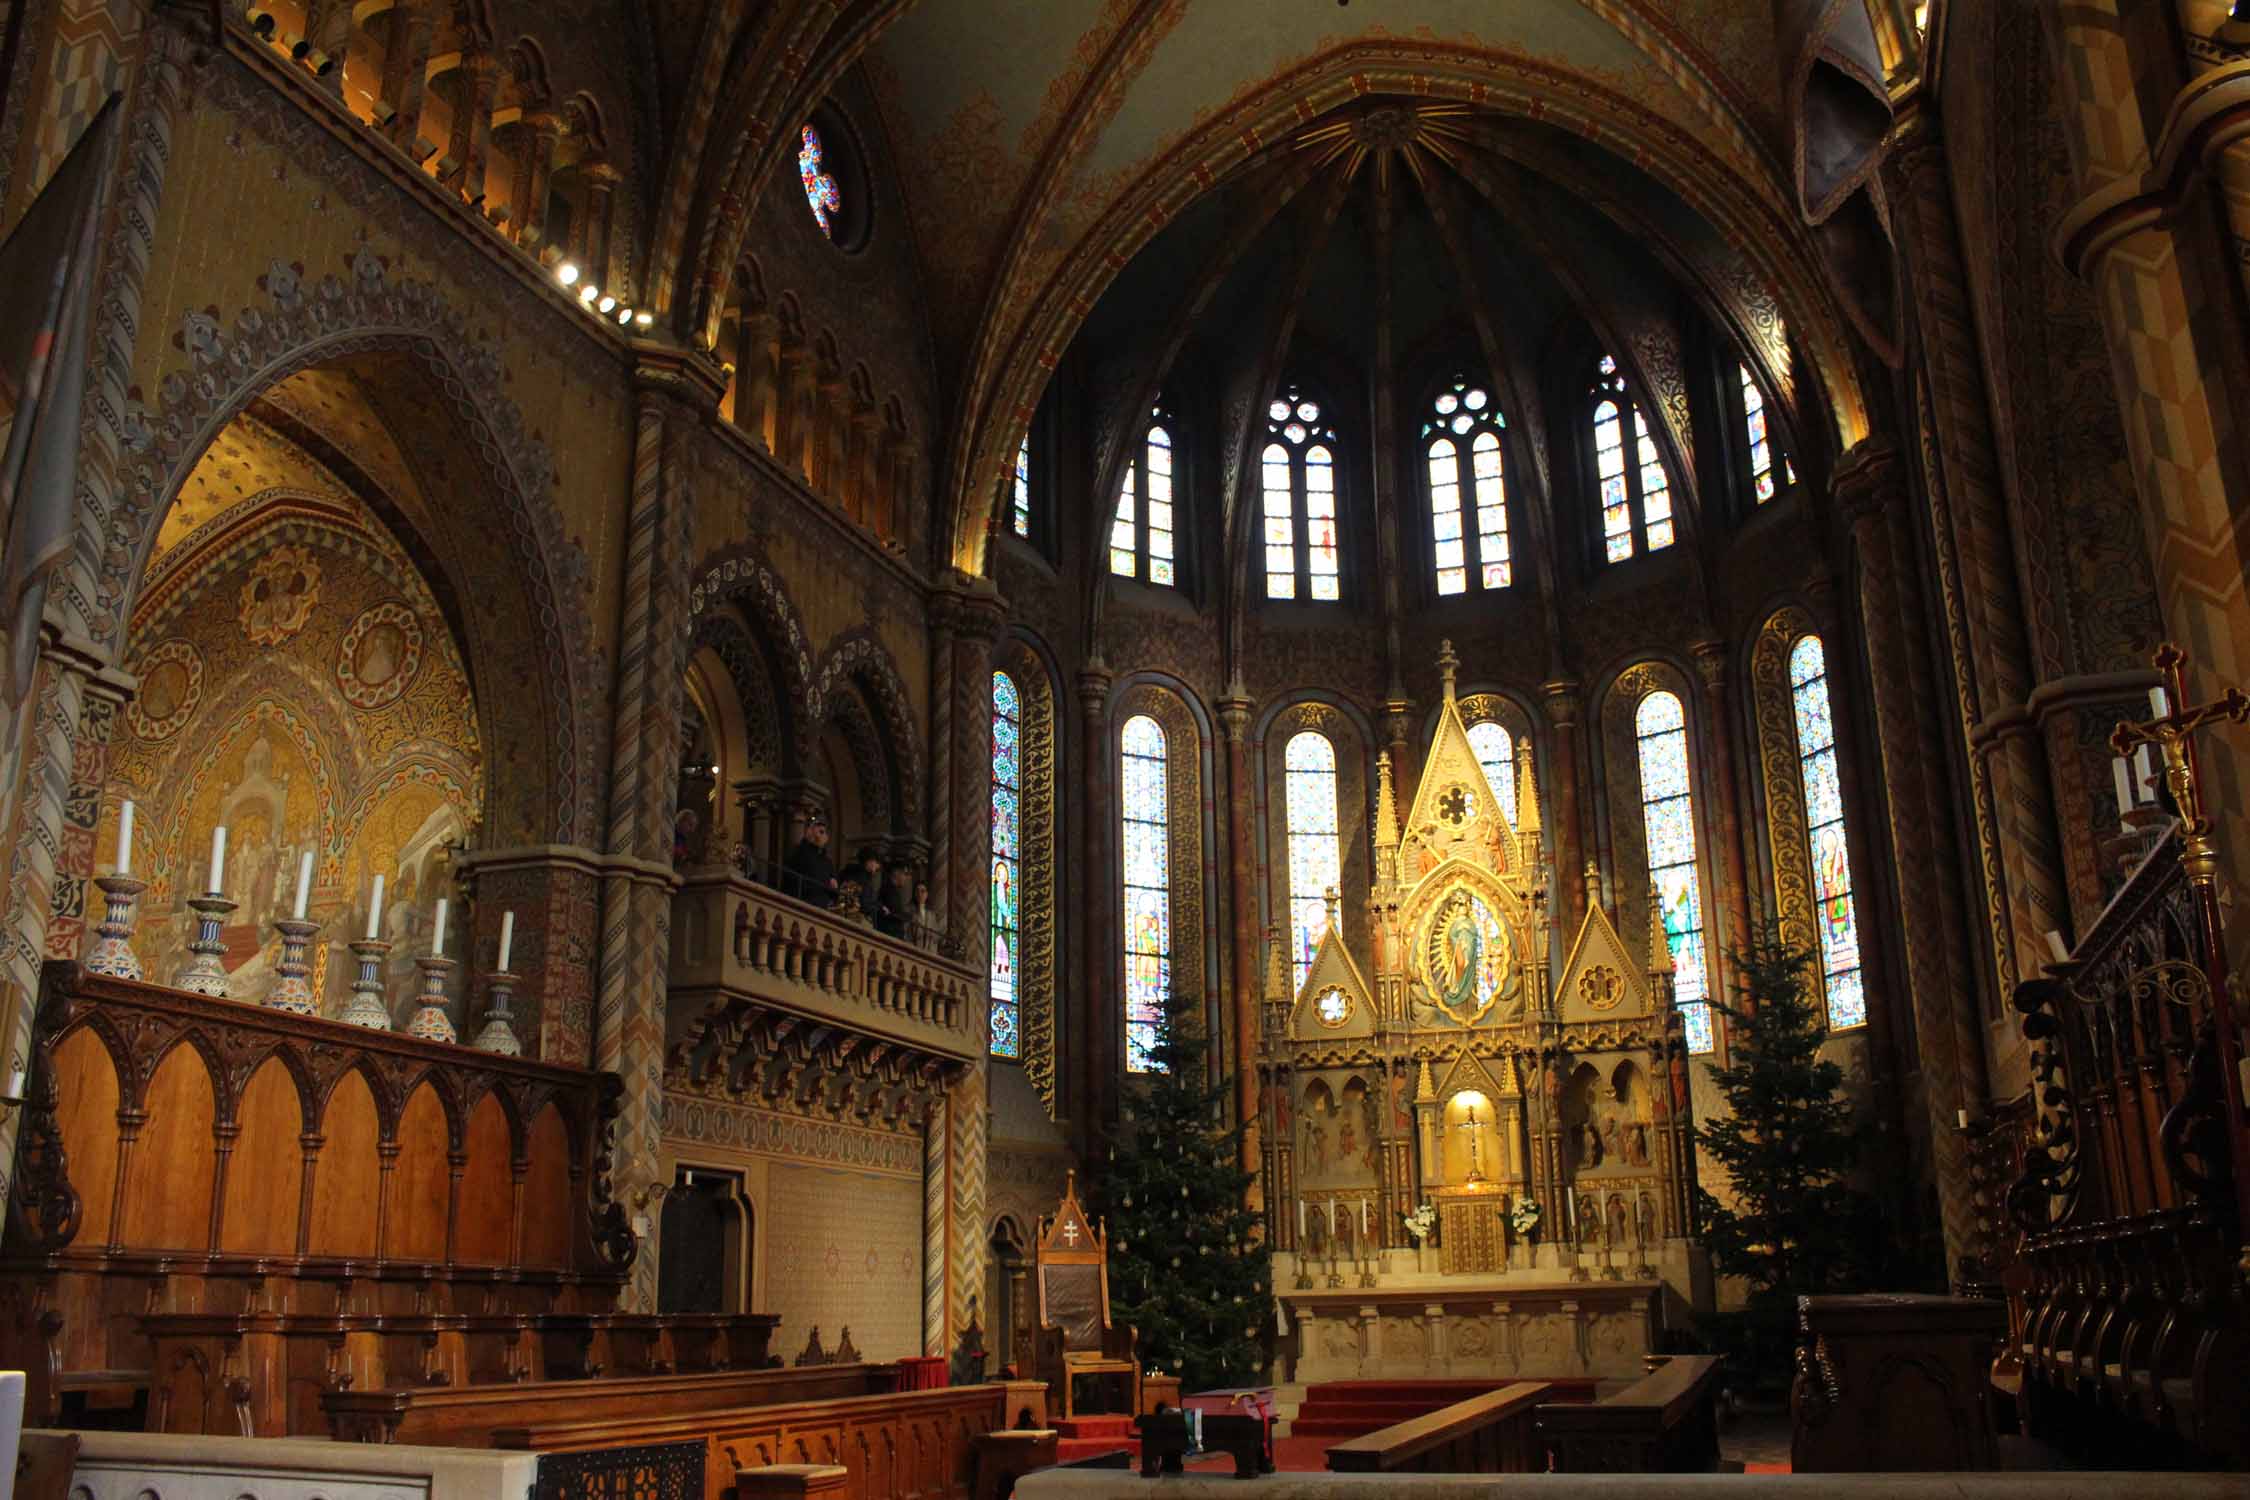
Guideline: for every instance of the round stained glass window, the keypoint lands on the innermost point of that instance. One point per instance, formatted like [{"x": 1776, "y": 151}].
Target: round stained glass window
[
  {"x": 1279, "y": 411},
  {"x": 1446, "y": 402},
  {"x": 1332, "y": 1006},
  {"x": 1462, "y": 423},
  {"x": 1308, "y": 412},
  {"x": 822, "y": 192},
  {"x": 1474, "y": 401}
]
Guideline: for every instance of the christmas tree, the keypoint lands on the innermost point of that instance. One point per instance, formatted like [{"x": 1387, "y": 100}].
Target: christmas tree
[
  {"x": 1186, "y": 1266},
  {"x": 1788, "y": 1141}
]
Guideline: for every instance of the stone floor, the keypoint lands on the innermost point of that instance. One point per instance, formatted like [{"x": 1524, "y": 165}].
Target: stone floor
[{"x": 1758, "y": 1439}]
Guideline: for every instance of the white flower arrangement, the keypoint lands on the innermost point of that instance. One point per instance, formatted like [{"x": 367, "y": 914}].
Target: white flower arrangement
[
  {"x": 1524, "y": 1217},
  {"x": 1420, "y": 1222}
]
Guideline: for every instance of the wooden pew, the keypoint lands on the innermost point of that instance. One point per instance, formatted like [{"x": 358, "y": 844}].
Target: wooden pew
[
  {"x": 1666, "y": 1422},
  {"x": 917, "y": 1443},
  {"x": 470, "y": 1416},
  {"x": 1494, "y": 1433}
]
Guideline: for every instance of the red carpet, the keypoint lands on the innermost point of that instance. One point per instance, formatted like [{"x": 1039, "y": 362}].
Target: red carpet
[
  {"x": 1350, "y": 1408},
  {"x": 1083, "y": 1437}
]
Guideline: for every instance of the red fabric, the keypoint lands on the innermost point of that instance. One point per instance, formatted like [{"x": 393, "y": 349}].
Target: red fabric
[{"x": 922, "y": 1372}]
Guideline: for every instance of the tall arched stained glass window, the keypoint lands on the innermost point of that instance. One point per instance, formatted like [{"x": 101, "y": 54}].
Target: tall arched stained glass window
[
  {"x": 1824, "y": 824},
  {"x": 1461, "y": 442},
  {"x": 1315, "y": 844},
  {"x": 1757, "y": 442},
  {"x": 1298, "y": 480},
  {"x": 1020, "y": 496},
  {"x": 1146, "y": 821},
  {"x": 1635, "y": 494},
  {"x": 1496, "y": 751},
  {"x": 1140, "y": 534},
  {"x": 1007, "y": 867},
  {"x": 822, "y": 193},
  {"x": 1668, "y": 817}
]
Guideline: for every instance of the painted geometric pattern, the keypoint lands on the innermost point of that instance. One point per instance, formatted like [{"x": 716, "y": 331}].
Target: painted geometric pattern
[{"x": 93, "y": 41}]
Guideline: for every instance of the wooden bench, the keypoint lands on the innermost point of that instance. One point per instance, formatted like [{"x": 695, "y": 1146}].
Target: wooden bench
[
  {"x": 1494, "y": 1433},
  {"x": 1664, "y": 1423},
  {"x": 917, "y": 1443},
  {"x": 468, "y": 1416}
]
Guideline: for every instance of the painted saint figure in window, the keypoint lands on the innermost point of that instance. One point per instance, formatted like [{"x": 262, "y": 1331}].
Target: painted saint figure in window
[
  {"x": 1007, "y": 854},
  {"x": 1461, "y": 441},
  {"x": 1315, "y": 844},
  {"x": 1141, "y": 531},
  {"x": 822, "y": 191},
  {"x": 1496, "y": 751},
  {"x": 1668, "y": 821},
  {"x": 1298, "y": 471},
  {"x": 1146, "y": 854},
  {"x": 1835, "y": 914},
  {"x": 1636, "y": 497}
]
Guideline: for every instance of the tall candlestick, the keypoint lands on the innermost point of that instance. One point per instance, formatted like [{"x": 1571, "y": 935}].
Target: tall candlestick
[
  {"x": 218, "y": 858},
  {"x": 2126, "y": 801},
  {"x": 375, "y": 910},
  {"x": 508, "y": 943},
  {"x": 437, "y": 942},
  {"x": 125, "y": 838},
  {"x": 304, "y": 886}
]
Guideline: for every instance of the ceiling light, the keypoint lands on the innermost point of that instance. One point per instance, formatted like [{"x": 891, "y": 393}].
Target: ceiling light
[
  {"x": 609, "y": 304},
  {"x": 624, "y": 315},
  {"x": 644, "y": 319},
  {"x": 566, "y": 273},
  {"x": 589, "y": 292}
]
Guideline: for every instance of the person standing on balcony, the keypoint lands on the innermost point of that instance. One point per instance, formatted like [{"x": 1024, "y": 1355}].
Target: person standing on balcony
[{"x": 809, "y": 874}]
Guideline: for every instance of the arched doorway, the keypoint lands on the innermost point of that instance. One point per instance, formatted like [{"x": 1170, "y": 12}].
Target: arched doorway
[{"x": 706, "y": 1236}]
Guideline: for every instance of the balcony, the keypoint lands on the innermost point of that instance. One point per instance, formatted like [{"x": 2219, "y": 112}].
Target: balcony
[{"x": 741, "y": 946}]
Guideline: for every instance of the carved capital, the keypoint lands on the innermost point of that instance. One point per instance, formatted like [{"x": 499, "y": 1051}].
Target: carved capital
[
  {"x": 1866, "y": 479},
  {"x": 1711, "y": 662},
  {"x": 1093, "y": 690},
  {"x": 1561, "y": 698},
  {"x": 1234, "y": 717}
]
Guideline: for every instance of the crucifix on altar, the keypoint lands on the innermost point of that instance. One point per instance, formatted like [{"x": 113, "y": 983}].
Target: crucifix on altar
[{"x": 1476, "y": 1147}]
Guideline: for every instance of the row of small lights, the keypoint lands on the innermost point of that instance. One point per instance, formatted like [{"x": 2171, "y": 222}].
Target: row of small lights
[{"x": 599, "y": 301}]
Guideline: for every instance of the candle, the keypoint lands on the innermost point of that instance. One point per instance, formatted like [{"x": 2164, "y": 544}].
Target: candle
[
  {"x": 218, "y": 857},
  {"x": 2126, "y": 801},
  {"x": 1961, "y": 1118},
  {"x": 2144, "y": 767},
  {"x": 2057, "y": 949},
  {"x": 1300, "y": 1219},
  {"x": 437, "y": 943},
  {"x": 1364, "y": 1223},
  {"x": 304, "y": 886},
  {"x": 508, "y": 942},
  {"x": 1570, "y": 1213},
  {"x": 2159, "y": 702},
  {"x": 375, "y": 910},
  {"x": 125, "y": 838}
]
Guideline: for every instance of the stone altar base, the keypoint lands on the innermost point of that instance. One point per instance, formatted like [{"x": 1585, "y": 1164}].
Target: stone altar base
[{"x": 1525, "y": 1325}]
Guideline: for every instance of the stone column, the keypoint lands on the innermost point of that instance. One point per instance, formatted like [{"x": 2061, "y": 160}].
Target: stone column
[
  {"x": 755, "y": 377},
  {"x": 535, "y": 170},
  {"x": 1249, "y": 998},
  {"x": 793, "y": 424},
  {"x": 1975, "y": 534},
  {"x": 830, "y": 415},
  {"x": 1734, "y": 891},
  {"x": 1934, "y": 941},
  {"x": 406, "y": 68},
  {"x": 106, "y": 692},
  {"x": 471, "y": 147},
  {"x": 1101, "y": 986},
  {"x": 329, "y": 32},
  {"x": 1567, "y": 843},
  {"x": 863, "y": 497},
  {"x": 601, "y": 206}
]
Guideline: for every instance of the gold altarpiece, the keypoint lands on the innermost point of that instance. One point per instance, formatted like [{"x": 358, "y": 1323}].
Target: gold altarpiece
[{"x": 1474, "y": 1064}]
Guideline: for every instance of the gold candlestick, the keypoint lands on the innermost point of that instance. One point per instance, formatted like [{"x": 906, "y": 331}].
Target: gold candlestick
[
  {"x": 292, "y": 985},
  {"x": 112, "y": 954}
]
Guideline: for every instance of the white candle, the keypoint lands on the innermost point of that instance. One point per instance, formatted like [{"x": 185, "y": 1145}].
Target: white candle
[
  {"x": 1570, "y": 1213},
  {"x": 218, "y": 857},
  {"x": 125, "y": 838},
  {"x": 1300, "y": 1220},
  {"x": 2057, "y": 949},
  {"x": 2159, "y": 702},
  {"x": 304, "y": 886},
  {"x": 1365, "y": 1224},
  {"x": 375, "y": 910},
  {"x": 2144, "y": 766},
  {"x": 1961, "y": 1118},
  {"x": 508, "y": 941},
  {"x": 2126, "y": 801},
  {"x": 437, "y": 943}
]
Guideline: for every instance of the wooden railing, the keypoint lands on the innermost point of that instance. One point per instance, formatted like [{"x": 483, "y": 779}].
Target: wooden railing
[
  {"x": 217, "y": 1171},
  {"x": 1496, "y": 1433},
  {"x": 2132, "y": 1330},
  {"x": 733, "y": 939},
  {"x": 1667, "y": 1422}
]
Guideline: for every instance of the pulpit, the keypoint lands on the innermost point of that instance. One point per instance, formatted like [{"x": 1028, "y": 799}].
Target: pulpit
[{"x": 1075, "y": 1341}]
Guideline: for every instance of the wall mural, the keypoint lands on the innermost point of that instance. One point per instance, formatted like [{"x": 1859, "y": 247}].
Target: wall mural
[{"x": 300, "y": 687}]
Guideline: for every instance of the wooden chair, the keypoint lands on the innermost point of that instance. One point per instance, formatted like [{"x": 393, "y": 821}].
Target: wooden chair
[{"x": 1075, "y": 1339}]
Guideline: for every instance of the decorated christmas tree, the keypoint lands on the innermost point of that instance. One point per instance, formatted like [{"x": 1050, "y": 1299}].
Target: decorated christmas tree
[
  {"x": 1787, "y": 1142},
  {"x": 1186, "y": 1267}
]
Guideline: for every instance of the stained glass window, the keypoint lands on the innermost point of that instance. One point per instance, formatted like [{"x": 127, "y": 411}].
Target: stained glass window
[
  {"x": 1496, "y": 751},
  {"x": 1635, "y": 493},
  {"x": 1668, "y": 817},
  {"x": 1824, "y": 823},
  {"x": 1007, "y": 854},
  {"x": 821, "y": 189},
  {"x": 1021, "y": 508},
  {"x": 1298, "y": 481},
  {"x": 1315, "y": 845},
  {"x": 1146, "y": 853},
  {"x": 1461, "y": 442},
  {"x": 1756, "y": 439},
  {"x": 1141, "y": 531}
]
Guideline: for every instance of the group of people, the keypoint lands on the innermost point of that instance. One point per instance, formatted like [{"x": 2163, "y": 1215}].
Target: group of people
[{"x": 810, "y": 874}]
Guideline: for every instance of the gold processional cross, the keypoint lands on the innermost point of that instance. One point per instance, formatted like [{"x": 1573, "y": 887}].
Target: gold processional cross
[
  {"x": 2171, "y": 734},
  {"x": 1476, "y": 1152}
]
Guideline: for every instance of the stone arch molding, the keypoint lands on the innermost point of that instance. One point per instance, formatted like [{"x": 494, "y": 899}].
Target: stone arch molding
[
  {"x": 308, "y": 323},
  {"x": 740, "y": 577},
  {"x": 859, "y": 657}
]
